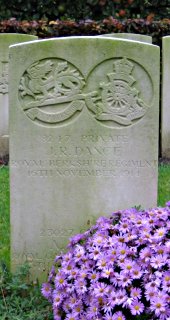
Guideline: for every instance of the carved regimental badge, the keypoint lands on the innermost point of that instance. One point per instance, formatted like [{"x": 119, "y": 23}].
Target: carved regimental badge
[
  {"x": 54, "y": 91},
  {"x": 51, "y": 91},
  {"x": 120, "y": 103}
]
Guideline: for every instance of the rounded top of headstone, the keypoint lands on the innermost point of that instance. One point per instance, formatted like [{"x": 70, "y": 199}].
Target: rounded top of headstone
[
  {"x": 7, "y": 39},
  {"x": 129, "y": 36},
  {"x": 12, "y": 38}
]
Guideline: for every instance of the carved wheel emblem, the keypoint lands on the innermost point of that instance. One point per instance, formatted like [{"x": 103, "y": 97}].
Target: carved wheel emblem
[{"x": 51, "y": 93}]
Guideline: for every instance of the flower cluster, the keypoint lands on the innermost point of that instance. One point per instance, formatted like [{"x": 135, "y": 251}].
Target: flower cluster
[{"x": 117, "y": 270}]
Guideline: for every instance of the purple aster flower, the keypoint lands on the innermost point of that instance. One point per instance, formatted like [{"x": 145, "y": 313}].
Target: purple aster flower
[
  {"x": 78, "y": 308},
  {"x": 160, "y": 249},
  {"x": 136, "y": 307},
  {"x": 107, "y": 272},
  {"x": 123, "y": 250},
  {"x": 94, "y": 252},
  {"x": 160, "y": 233},
  {"x": 121, "y": 296},
  {"x": 150, "y": 294},
  {"x": 72, "y": 316},
  {"x": 92, "y": 312},
  {"x": 66, "y": 305},
  {"x": 166, "y": 278},
  {"x": 128, "y": 265},
  {"x": 100, "y": 289},
  {"x": 153, "y": 284},
  {"x": 124, "y": 279},
  {"x": 60, "y": 280},
  {"x": 158, "y": 306},
  {"x": 112, "y": 298},
  {"x": 57, "y": 298},
  {"x": 124, "y": 226},
  {"x": 57, "y": 314},
  {"x": 79, "y": 253},
  {"x": 80, "y": 286},
  {"x": 102, "y": 261},
  {"x": 118, "y": 316},
  {"x": 136, "y": 272},
  {"x": 135, "y": 293},
  {"x": 165, "y": 315},
  {"x": 46, "y": 291},
  {"x": 158, "y": 261},
  {"x": 76, "y": 239},
  {"x": 145, "y": 254},
  {"x": 93, "y": 276}
]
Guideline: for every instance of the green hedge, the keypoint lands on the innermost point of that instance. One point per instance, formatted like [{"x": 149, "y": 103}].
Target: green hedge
[
  {"x": 80, "y": 9},
  {"x": 45, "y": 29}
]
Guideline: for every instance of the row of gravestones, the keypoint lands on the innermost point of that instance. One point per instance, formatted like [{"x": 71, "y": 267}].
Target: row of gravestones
[{"x": 84, "y": 124}]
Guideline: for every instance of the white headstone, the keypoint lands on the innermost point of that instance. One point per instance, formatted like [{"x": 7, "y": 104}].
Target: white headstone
[
  {"x": 129, "y": 36},
  {"x": 84, "y": 138},
  {"x": 165, "y": 99},
  {"x": 6, "y": 39}
]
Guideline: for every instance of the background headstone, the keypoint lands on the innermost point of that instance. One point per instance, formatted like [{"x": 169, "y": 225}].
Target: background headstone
[
  {"x": 6, "y": 39},
  {"x": 129, "y": 36},
  {"x": 83, "y": 138},
  {"x": 165, "y": 107}
]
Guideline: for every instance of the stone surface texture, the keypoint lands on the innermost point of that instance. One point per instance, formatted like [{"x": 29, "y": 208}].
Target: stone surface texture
[
  {"x": 83, "y": 138},
  {"x": 6, "y": 39},
  {"x": 165, "y": 108},
  {"x": 130, "y": 36}
]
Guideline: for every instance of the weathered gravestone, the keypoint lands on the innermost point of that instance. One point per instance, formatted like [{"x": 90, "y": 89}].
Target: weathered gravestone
[
  {"x": 84, "y": 138},
  {"x": 6, "y": 39},
  {"x": 165, "y": 110},
  {"x": 129, "y": 36}
]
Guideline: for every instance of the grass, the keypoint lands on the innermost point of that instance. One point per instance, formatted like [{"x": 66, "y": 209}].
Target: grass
[
  {"x": 19, "y": 298},
  {"x": 4, "y": 215},
  {"x": 163, "y": 184}
]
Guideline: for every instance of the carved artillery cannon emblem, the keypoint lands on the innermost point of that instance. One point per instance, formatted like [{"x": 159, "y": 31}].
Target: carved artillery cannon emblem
[{"x": 119, "y": 99}]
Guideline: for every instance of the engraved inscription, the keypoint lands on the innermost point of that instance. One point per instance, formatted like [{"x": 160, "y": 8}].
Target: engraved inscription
[
  {"x": 54, "y": 91},
  {"x": 4, "y": 77},
  {"x": 92, "y": 155}
]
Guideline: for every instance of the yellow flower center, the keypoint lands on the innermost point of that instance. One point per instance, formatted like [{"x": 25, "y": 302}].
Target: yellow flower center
[
  {"x": 129, "y": 267},
  {"x": 122, "y": 251},
  {"x": 61, "y": 281},
  {"x": 69, "y": 267},
  {"x": 47, "y": 289},
  {"x": 136, "y": 307}
]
